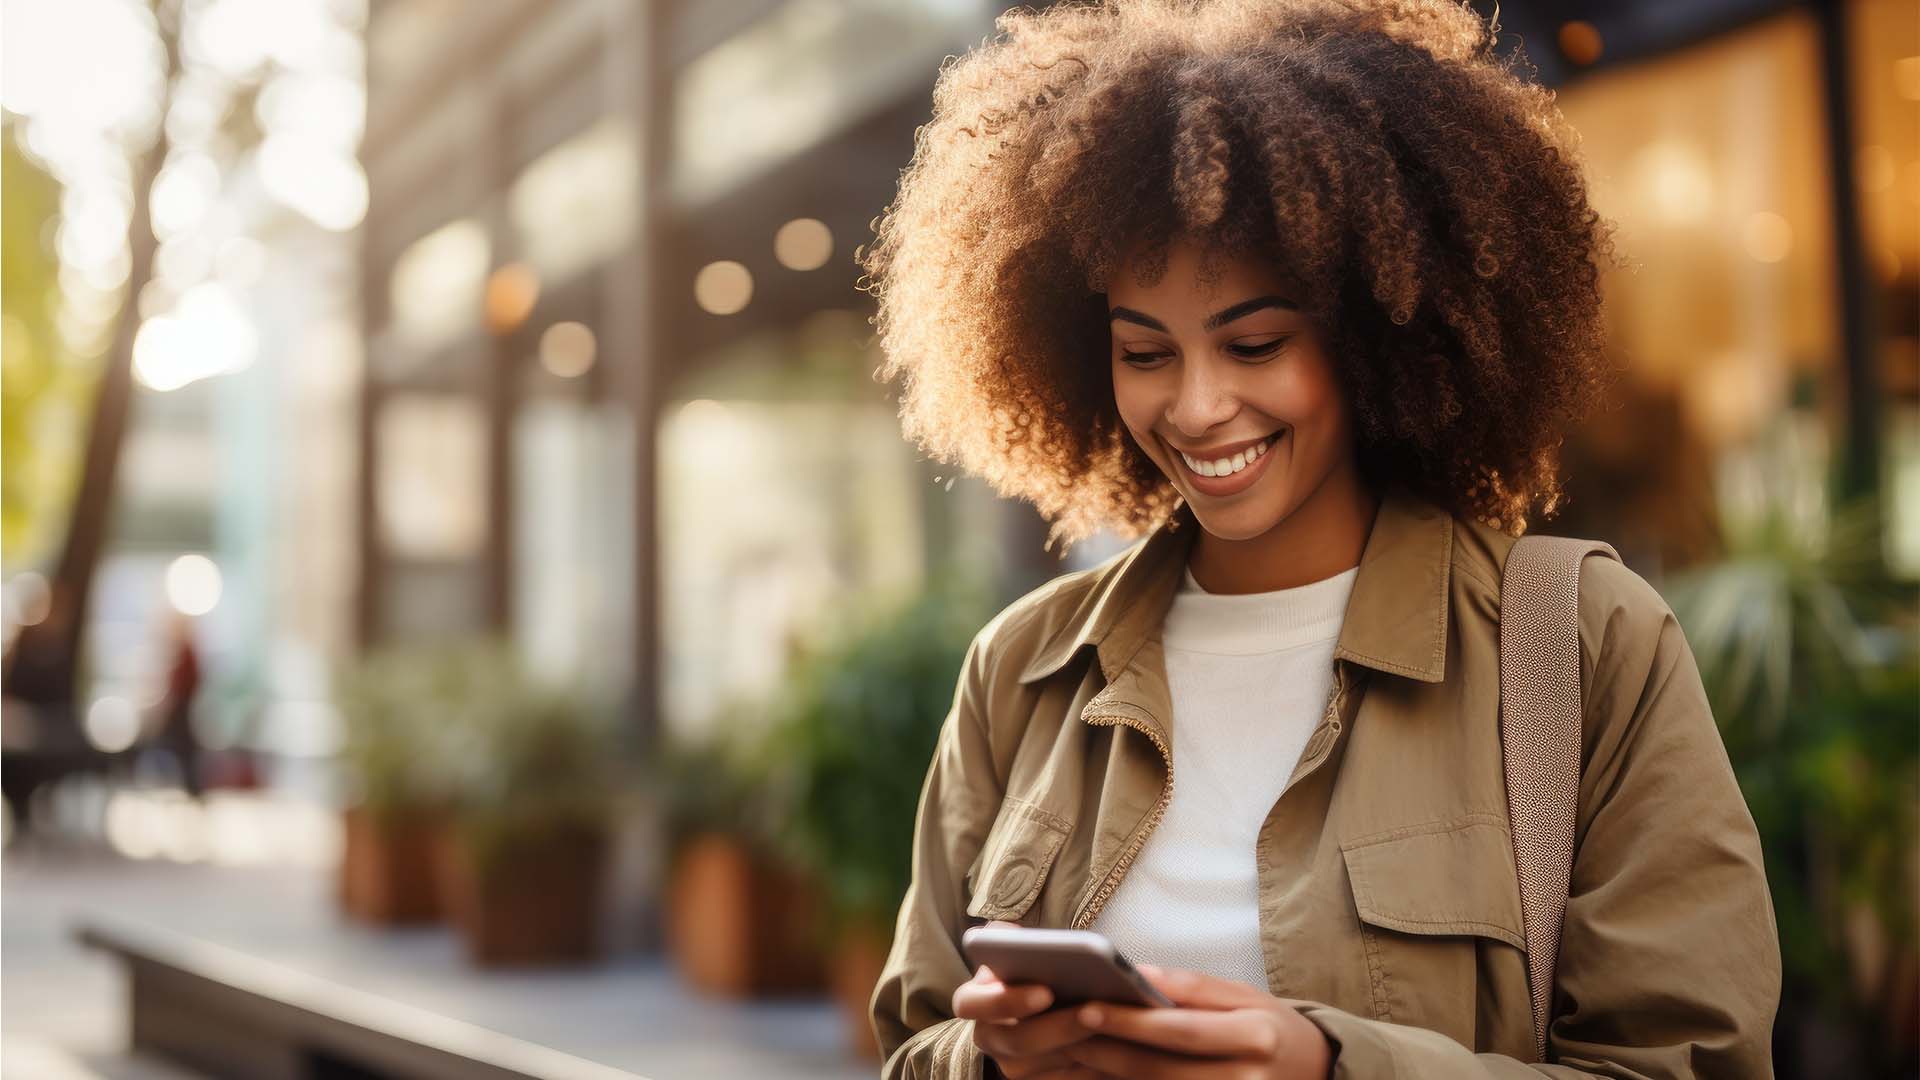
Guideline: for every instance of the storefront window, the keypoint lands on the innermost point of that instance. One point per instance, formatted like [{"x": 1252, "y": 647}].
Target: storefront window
[{"x": 1712, "y": 163}]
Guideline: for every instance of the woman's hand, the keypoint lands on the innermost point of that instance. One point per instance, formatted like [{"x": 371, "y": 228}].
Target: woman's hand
[
  {"x": 1218, "y": 1029},
  {"x": 1012, "y": 1026}
]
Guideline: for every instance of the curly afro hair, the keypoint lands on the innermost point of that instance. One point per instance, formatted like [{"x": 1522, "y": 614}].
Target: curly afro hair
[{"x": 1424, "y": 197}]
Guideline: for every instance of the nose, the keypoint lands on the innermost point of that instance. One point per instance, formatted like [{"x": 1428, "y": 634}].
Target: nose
[{"x": 1202, "y": 401}]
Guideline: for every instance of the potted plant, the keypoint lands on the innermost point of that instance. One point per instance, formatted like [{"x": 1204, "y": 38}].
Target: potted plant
[
  {"x": 854, "y": 732},
  {"x": 538, "y": 773},
  {"x": 740, "y": 915},
  {"x": 393, "y": 707}
]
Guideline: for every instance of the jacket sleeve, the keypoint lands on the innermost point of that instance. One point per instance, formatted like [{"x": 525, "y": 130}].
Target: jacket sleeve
[
  {"x": 911, "y": 1007},
  {"x": 1669, "y": 960}
]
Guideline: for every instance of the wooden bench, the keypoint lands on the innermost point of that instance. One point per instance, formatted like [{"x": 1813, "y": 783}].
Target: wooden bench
[{"x": 227, "y": 1014}]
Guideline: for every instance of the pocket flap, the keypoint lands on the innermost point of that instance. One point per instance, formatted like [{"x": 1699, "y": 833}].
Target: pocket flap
[
  {"x": 1013, "y": 863},
  {"x": 1453, "y": 877}
]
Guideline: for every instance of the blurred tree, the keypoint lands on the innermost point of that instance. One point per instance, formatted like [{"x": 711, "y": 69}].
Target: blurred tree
[
  {"x": 40, "y": 379},
  {"x": 43, "y": 664}
]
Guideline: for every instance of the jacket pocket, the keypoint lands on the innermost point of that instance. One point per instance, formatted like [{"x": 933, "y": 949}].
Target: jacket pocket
[
  {"x": 1006, "y": 879},
  {"x": 1439, "y": 908}
]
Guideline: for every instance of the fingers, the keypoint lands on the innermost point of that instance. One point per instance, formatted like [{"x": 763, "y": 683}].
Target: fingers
[
  {"x": 1034, "y": 1068},
  {"x": 1199, "y": 991},
  {"x": 1033, "y": 1037},
  {"x": 986, "y": 998},
  {"x": 1211, "y": 1033},
  {"x": 1070, "y": 1070},
  {"x": 1118, "y": 1057}
]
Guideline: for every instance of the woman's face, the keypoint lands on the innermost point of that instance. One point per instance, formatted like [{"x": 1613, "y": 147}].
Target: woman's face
[{"x": 1229, "y": 390}]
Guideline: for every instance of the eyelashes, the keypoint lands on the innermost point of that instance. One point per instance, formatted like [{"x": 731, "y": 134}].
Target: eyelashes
[{"x": 1252, "y": 353}]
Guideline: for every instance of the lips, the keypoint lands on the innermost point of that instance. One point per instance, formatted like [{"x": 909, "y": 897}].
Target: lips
[
  {"x": 1230, "y": 480},
  {"x": 1228, "y": 459}
]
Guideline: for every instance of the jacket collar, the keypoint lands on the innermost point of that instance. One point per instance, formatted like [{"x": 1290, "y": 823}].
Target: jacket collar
[{"x": 1396, "y": 619}]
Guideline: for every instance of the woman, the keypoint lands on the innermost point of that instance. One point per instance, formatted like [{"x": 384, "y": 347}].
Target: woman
[{"x": 1307, "y": 293}]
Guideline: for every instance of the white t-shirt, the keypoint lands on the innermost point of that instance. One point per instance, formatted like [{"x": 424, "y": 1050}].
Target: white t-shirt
[{"x": 1250, "y": 676}]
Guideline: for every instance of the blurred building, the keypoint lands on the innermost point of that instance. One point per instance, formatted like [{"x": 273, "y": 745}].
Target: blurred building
[
  {"x": 618, "y": 401},
  {"x": 1763, "y": 163}
]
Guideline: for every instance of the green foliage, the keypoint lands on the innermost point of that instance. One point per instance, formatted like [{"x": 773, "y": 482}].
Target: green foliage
[
  {"x": 1809, "y": 655},
  {"x": 468, "y": 729},
  {"x": 43, "y": 388},
  {"x": 399, "y": 709},
  {"x": 723, "y": 785},
  {"x": 855, "y": 733}
]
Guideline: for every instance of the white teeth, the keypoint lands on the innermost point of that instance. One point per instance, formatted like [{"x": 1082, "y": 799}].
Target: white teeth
[{"x": 1229, "y": 466}]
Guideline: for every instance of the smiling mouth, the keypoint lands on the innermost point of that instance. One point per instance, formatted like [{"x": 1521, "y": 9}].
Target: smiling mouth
[{"x": 1227, "y": 466}]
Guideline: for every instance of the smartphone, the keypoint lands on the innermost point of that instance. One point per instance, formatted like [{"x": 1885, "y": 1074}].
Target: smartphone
[{"x": 1077, "y": 965}]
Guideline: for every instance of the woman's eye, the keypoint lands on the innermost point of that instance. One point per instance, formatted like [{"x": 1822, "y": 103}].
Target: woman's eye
[
  {"x": 1140, "y": 359},
  {"x": 1264, "y": 348}
]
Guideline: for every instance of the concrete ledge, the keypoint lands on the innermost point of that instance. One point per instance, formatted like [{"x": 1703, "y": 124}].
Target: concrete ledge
[{"x": 228, "y": 1014}]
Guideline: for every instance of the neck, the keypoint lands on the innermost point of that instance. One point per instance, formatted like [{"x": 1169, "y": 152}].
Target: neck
[{"x": 1323, "y": 536}]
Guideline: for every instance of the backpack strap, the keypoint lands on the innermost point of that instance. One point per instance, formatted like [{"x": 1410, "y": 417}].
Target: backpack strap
[{"x": 1540, "y": 713}]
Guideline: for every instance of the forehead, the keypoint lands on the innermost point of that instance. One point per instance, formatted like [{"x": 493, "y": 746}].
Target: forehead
[{"x": 1195, "y": 274}]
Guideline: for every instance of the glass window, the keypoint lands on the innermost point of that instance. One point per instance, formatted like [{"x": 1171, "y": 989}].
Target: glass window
[
  {"x": 1711, "y": 162},
  {"x": 438, "y": 283},
  {"x": 432, "y": 483},
  {"x": 578, "y": 203},
  {"x": 802, "y": 72}
]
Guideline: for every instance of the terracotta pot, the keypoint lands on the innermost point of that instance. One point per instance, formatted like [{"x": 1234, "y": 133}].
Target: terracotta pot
[
  {"x": 536, "y": 901},
  {"x": 387, "y": 874},
  {"x": 859, "y": 955},
  {"x": 740, "y": 925}
]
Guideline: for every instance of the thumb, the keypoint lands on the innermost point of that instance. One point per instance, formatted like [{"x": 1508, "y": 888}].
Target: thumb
[{"x": 1196, "y": 990}]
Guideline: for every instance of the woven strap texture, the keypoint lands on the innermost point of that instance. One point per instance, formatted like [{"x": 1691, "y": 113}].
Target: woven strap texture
[{"x": 1540, "y": 712}]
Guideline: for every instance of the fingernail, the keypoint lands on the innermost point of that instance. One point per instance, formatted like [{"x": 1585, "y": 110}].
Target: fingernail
[{"x": 1091, "y": 1016}]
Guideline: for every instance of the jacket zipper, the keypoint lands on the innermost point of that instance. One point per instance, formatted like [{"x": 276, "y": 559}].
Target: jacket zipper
[
  {"x": 1112, "y": 881},
  {"x": 1328, "y": 732}
]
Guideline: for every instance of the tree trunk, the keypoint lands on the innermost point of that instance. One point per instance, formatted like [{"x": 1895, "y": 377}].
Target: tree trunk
[{"x": 43, "y": 665}]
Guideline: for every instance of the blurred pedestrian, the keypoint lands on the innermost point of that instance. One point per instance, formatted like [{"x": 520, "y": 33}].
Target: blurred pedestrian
[{"x": 174, "y": 710}]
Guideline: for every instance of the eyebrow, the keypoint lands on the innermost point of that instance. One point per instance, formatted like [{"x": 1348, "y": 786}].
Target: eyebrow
[{"x": 1215, "y": 321}]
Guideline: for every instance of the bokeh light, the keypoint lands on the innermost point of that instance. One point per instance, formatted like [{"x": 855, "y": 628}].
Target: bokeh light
[
  {"x": 183, "y": 193},
  {"x": 567, "y": 349},
  {"x": 723, "y": 287},
  {"x": 193, "y": 585},
  {"x": 112, "y": 724},
  {"x": 29, "y": 598},
  {"x": 1580, "y": 42},
  {"x": 311, "y": 177},
  {"x": 1767, "y": 236},
  {"x": 207, "y": 334},
  {"x": 803, "y": 244},
  {"x": 512, "y": 290}
]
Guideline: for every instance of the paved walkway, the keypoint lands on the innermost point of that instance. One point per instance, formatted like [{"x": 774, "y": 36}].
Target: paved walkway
[{"x": 62, "y": 1011}]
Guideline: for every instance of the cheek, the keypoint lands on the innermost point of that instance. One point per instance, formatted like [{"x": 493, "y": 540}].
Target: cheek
[
  {"x": 1134, "y": 400},
  {"x": 1311, "y": 396}
]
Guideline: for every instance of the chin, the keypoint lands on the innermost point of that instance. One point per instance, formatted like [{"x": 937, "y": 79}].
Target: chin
[{"x": 1240, "y": 520}]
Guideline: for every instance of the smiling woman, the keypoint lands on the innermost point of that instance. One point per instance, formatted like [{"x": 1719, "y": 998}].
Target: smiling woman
[
  {"x": 1434, "y": 227},
  {"x": 1305, "y": 291},
  {"x": 1243, "y": 411}
]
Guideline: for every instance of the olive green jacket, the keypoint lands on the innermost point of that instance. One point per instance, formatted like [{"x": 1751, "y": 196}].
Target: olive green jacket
[{"x": 1387, "y": 889}]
